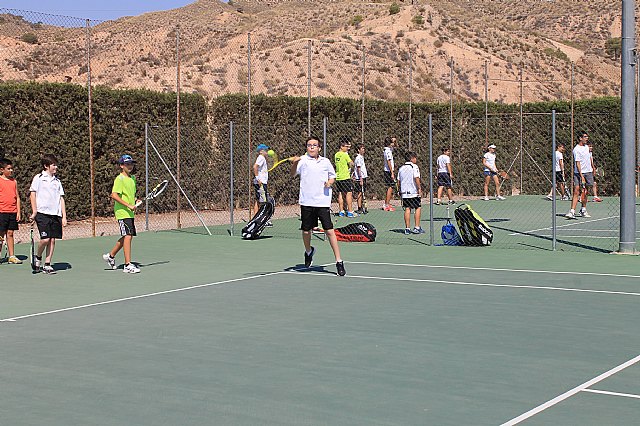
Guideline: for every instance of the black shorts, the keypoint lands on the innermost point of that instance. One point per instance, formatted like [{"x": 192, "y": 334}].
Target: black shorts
[
  {"x": 344, "y": 185},
  {"x": 49, "y": 226},
  {"x": 411, "y": 203},
  {"x": 256, "y": 187},
  {"x": 8, "y": 222},
  {"x": 311, "y": 215},
  {"x": 388, "y": 180},
  {"x": 358, "y": 187},
  {"x": 559, "y": 177},
  {"x": 444, "y": 179},
  {"x": 127, "y": 227}
]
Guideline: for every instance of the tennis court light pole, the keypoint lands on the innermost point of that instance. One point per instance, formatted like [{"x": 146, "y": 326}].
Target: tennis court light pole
[{"x": 627, "y": 243}]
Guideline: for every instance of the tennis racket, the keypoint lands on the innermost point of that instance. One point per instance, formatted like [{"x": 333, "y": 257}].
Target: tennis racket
[
  {"x": 155, "y": 192},
  {"x": 33, "y": 248},
  {"x": 277, "y": 163},
  {"x": 2, "y": 247},
  {"x": 599, "y": 172},
  {"x": 365, "y": 208},
  {"x": 504, "y": 175}
]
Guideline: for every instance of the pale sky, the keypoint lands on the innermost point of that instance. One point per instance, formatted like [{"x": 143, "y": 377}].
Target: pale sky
[{"x": 94, "y": 9}]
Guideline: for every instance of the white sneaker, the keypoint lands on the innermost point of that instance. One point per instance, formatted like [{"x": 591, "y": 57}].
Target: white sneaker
[
  {"x": 565, "y": 198},
  {"x": 110, "y": 260},
  {"x": 131, "y": 269},
  {"x": 500, "y": 197},
  {"x": 550, "y": 197},
  {"x": 48, "y": 269},
  {"x": 584, "y": 213},
  {"x": 486, "y": 198},
  {"x": 570, "y": 215}
]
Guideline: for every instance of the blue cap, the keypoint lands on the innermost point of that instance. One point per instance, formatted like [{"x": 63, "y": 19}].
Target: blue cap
[
  {"x": 261, "y": 147},
  {"x": 126, "y": 159}
]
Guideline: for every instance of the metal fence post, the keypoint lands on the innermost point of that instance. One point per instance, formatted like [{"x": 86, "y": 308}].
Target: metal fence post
[
  {"x": 324, "y": 136},
  {"x": 249, "y": 121},
  {"x": 451, "y": 105},
  {"x": 231, "y": 199},
  {"x": 553, "y": 180},
  {"x": 91, "y": 154},
  {"x": 364, "y": 58},
  {"x": 430, "y": 179},
  {"x": 178, "y": 223},
  {"x": 146, "y": 175},
  {"x": 309, "y": 88},
  {"x": 410, "y": 95}
]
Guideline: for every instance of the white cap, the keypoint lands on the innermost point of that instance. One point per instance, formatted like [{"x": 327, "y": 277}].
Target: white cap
[{"x": 492, "y": 146}]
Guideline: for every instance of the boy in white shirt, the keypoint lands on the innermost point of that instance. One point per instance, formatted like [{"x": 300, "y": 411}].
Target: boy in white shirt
[
  {"x": 360, "y": 176},
  {"x": 582, "y": 176},
  {"x": 261, "y": 175},
  {"x": 316, "y": 177},
  {"x": 445, "y": 175},
  {"x": 48, "y": 210},
  {"x": 559, "y": 159},
  {"x": 411, "y": 192},
  {"x": 389, "y": 172},
  {"x": 491, "y": 172}
]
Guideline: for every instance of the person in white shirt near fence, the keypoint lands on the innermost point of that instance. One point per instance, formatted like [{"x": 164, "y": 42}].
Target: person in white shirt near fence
[
  {"x": 411, "y": 192},
  {"x": 445, "y": 176}
]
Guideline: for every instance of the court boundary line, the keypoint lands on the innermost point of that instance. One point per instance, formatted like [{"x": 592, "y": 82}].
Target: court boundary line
[
  {"x": 140, "y": 296},
  {"x": 602, "y": 392},
  {"x": 478, "y": 284},
  {"x": 563, "y": 226},
  {"x": 481, "y": 268},
  {"x": 571, "y": 392}
]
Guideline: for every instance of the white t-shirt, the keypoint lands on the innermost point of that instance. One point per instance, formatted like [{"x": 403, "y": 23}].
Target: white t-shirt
[
  {"x": 442, "y": 162},
  {"x": 559, "y": 158},
  {"x": 387, "y": 155},
  {"x": 587, "y": 168},
  {"x": 491, "y": 162},
  {"x": 363, "y": 169},
  {"x": 406, "y": 176},
  {"x": 581, "y": 154},
  {"x": 314, "y": 173},
  {"x": 48, "y": 191},
  {"x": 263, "y": 174}
]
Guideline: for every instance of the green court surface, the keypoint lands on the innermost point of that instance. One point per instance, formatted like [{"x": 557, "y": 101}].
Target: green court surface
[{"x": 217, "y": 330}]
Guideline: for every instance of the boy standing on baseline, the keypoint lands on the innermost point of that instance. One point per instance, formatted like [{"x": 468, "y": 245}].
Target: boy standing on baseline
[
  {"x": 360, "y": 176},
  {"x": 48, "y": 210},
  {"x": 445, "y": 176},
  {"x": 316, "y": 177},
  {"x": 411, "y": 192},
  {"x": 9, "y": 207},
  {"x": 124, "y": 195}
]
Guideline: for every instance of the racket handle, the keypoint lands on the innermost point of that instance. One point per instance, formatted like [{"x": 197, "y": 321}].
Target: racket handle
[{"x": 138, "y": 203}]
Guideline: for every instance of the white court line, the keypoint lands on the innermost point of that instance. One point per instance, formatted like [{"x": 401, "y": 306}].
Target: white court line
[
  {"x": 476, "y": 284},
  {"x": 479, "y": 268},
  {"x": 570, "y": 393},
  {"x": 548, "y": 228},
  {"x": 141, "y": 296},
  {"x": 626, "y": 395}
]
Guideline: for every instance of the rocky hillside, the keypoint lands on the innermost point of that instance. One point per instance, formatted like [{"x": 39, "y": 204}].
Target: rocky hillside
[{"x": 543, "y": 38}]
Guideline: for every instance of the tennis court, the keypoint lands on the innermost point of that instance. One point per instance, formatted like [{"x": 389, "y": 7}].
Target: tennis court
[{"x": 217, "y": 330}]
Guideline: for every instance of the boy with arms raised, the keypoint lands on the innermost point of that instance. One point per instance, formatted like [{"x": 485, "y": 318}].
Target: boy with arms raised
[
  {"x": 9, "y": 207},
  {"x": 48, "y": 210},
  {"x": 316, "y": 177},
  {"x": 124, "y": 195}
]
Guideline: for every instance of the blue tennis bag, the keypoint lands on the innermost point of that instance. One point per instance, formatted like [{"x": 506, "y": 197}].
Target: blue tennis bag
[{"x": 450, "y": 236}]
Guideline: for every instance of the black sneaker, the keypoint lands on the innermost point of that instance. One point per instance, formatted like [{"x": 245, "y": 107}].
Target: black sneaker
[
  {"x": 308, "y": 258},
  {"x": 340, "y": 268}
]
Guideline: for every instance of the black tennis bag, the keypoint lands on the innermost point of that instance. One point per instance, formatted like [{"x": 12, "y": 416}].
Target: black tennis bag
[
  {"x": 256, "y": 225},
  {"x": 361, "y": 232},
  {"x": 474, "y": 230}
]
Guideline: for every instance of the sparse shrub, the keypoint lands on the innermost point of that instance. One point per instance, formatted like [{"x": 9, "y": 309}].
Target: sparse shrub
[
  {"x": 356, "y": 20},
  {"x": 437, "y": 44},
  {"x": 30, "y": 38},
  {"x": 288, "y": 51},
  {"x": 612, "y": 47},
  {"x": 394, "y": 8},
  {"x": 418, "y": 20}
]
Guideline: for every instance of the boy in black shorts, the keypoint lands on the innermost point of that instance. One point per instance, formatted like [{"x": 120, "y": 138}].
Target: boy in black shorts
[
  {"x": 411, "y": 192},
  {"x": 48, "y": 210},
  {"x": 9, "y": 208},
  {"x": 316, "y": 177}
]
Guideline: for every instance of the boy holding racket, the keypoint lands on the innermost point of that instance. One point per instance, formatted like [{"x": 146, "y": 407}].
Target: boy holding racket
[
  {"x": 316, "y": 177},
  {"x": 124, "y": 195},
  {"x": 491, "y": 172},
  {"x": 9, "y": 207},
  {"x": 48, "y": 210},
  {"x": 445, "y": 176},
  {"x": 360, "y": 177},
  {"x": 411, "y": 192}
]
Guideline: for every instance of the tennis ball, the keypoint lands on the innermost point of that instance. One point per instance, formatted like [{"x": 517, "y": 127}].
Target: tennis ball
[{"x": 271, "y": 153}]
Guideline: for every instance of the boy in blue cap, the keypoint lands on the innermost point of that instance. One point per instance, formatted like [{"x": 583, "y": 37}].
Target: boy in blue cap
[
  {"x": 261, "y": 176},
  {"x": 124, "y": 195}
]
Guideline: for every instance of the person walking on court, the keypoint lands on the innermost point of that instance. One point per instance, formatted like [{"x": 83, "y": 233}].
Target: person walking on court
[
  {"x": 123, "y": 194},
  {"x": 582, "y": 176},
  {"x": 261, "y": 177},
  {"x": 411, "y": 192},
  {"x": 559, "y": 159},
  {"x": 344, "y": 184},
  {"x": 594, "y": 168},
  {"x": 360, "y": 178},
  {"x": 389, "y": 172},
  {"x": 316, "y": 177},
  {"x": 445, "y": 176},
  {"x": 9, "y": 208},
  {"x": 48, "y": 210},
  {"x": 491, "y": 172}
]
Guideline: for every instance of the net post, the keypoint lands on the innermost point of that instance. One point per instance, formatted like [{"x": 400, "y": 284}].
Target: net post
[
  {"x": 231, "y": 201},
  {"x": 146, "y": 175},
  {"x": 553, "y": 179},
  {"x": 430, "y": 179}
]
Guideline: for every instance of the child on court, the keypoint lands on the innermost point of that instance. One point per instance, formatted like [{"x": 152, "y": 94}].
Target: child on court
[
  {"x": 124, "y": 195},
  {"x": 260, "y": 175},
  {"x": 48, "y": 210},
  {"x": 9, "y": 207},
  {"x": 316, "y": 177},
  {"x": 389, "y": 172},
  {"x": 360, "y": 177},
  {"x": 491, "y": 172},
  {"x": 559, "y": 159},
  {"x": 445, "y": 176},
  {"x": 411, "y": 192},
  {"x": 344, "y": 184}
]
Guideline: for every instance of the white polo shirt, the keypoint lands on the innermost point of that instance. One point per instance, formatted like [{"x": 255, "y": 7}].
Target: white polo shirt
[
  {"x": 314, "y": 173},
  {"x": 581, "y": 154},
  {"x": 491, "y": 162},
  {"x": 587, "y": 167},
  {"x": 363, "y": 169},
  {"x": 559, "y": 159},
  {"x": 442, "y": 161},
  {"x": 406, "y": 176},
  {"x": 48, "y": 191},
  {"x": 263, "y": 173},
  {"x": 388, "y": 155}
]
